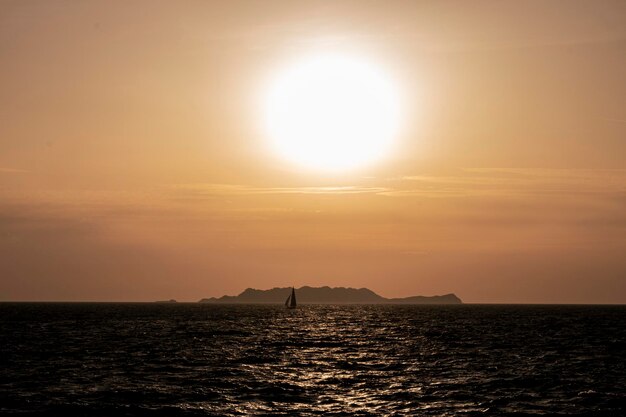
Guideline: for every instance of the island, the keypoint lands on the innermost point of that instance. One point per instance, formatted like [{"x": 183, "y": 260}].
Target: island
[{"x": 327, "y": 295}]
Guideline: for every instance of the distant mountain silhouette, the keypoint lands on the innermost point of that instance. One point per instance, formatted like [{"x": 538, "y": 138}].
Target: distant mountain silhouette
[{"x": 327, "y": 295}]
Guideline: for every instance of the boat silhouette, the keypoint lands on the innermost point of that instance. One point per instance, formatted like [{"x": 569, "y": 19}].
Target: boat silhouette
[{"x": 290, "y": 302}]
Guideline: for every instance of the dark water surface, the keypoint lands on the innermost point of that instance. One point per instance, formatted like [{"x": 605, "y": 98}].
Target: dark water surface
[{"x": 195, "y": 359}]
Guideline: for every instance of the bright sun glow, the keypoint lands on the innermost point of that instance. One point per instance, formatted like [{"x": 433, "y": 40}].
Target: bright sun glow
[{"x": 332, "y": 113}]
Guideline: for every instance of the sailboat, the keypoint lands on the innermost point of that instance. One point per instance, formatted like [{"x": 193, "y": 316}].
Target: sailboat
[{"x": 291, "y": 300}]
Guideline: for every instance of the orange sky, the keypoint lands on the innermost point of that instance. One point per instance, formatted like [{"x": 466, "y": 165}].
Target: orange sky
[{"x": 132, "y": 166}]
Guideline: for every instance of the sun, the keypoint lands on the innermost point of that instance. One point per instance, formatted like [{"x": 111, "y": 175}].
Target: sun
[{"x": 331, "y": 113}]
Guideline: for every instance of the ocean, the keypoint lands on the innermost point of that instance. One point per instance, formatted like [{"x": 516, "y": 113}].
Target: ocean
[{"x": 192, "y": 359}]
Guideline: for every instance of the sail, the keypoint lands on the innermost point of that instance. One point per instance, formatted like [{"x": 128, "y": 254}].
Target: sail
[
  {"x": 287, "y": 301},
  {"x": 293, "y": 298}
]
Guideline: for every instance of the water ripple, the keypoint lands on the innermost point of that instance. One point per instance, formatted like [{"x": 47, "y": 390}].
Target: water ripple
[{"x": 198, "y": 359}]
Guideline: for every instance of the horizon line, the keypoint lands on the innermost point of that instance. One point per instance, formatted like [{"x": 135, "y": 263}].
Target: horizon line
[{"x": 272, "y": 303}]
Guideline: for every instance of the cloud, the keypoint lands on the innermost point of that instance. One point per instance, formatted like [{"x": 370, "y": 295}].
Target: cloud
[
  {"x": 207, "y": 190},
  {"x": 615, "y": 120},
  {"x": 512, "y": 181},
  {"x": 6, "y": 170}
]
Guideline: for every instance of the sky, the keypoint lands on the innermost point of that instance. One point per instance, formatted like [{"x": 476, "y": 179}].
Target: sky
[{"x": 133, "y": 166}]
